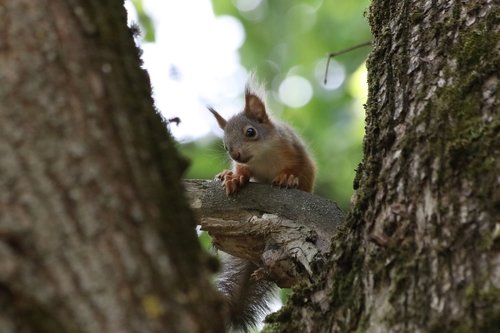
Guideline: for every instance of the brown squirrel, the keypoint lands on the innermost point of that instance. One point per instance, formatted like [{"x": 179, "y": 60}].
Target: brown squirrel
[
  {"x": 263, "y": 149},
  {"x": 266, "y": 151}
]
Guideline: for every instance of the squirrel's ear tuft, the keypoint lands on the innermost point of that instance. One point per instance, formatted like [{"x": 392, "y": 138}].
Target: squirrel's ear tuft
[
  {"x": 221, "y": 121},
  {"x": 255, "y": 108}
]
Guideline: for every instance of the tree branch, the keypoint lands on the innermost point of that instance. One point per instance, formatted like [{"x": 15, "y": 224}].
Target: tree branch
[{"x": 282, "y": 231}]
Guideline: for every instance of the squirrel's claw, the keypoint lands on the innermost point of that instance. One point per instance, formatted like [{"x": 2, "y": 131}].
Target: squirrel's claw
[
  {"x": 222, "y": 176},
  {"x": 286, "y": 180},
  {"x": 231, "y": 181},
  {"x": 231, "y": 185}
]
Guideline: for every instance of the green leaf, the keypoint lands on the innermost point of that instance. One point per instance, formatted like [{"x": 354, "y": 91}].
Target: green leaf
[{"x": 145, "y": 22}]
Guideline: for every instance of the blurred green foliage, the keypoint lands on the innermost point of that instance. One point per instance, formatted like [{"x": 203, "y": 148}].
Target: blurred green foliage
[
  {"x": 145, "y": 22},
  {"x": 294, "y": 37}
]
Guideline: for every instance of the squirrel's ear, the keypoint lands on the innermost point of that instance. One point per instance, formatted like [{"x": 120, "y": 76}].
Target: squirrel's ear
[
  {"x": 221, "y": 121},
  {"x": 255, "y": 108}
]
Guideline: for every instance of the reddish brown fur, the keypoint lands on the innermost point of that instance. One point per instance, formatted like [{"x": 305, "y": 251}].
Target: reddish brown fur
[
  {"x": 232, "y": 181},
  {"x": 272, "y": 154},
  {"x": 297, "y": 171},
  {"x": 276, "y": 156}
]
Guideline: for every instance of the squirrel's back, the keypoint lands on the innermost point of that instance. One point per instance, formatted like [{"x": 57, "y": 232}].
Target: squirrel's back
[{"x": 284, "y": 153}]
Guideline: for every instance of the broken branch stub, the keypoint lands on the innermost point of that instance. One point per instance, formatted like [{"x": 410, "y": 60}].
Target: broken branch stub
[{"x": 281, "y": 231}]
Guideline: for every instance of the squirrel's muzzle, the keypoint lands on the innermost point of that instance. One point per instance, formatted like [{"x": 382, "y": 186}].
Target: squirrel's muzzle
[{"x": 238, "y": 157}]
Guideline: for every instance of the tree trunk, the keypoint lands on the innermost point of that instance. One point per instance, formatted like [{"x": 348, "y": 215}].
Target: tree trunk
[
  {"x": 420, "y": 250},
  {"x": 94, "y": 236}
]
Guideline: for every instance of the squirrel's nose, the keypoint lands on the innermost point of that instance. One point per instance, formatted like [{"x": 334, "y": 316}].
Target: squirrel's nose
[{"x": 235, "y": 155}]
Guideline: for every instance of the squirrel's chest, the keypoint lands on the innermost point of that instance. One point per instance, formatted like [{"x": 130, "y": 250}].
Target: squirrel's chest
[{"x": 265, "y": 168}]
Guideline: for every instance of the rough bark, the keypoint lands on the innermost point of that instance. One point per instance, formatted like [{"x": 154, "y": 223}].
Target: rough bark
[
  {"x": 421, "y": 251},
  {"x": 94, "y": 236},
  {"x": 283, "y": 232}
]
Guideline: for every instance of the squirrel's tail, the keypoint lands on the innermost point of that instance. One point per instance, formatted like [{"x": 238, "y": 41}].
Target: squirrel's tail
[{"x": 247, "y": 299}]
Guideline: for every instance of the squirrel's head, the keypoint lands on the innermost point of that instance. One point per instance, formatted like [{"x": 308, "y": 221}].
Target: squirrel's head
[{"x": 245, "y": 134}]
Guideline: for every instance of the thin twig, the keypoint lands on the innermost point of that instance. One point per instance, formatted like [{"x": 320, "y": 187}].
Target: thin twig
[{"x": 334, "y": 54}]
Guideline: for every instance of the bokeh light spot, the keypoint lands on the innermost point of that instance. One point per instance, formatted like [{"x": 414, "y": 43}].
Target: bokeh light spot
[
  {"x": 295, "y": 91},
  {"x": 335, "y": 76},
  {"x": 247, "y": 5}
]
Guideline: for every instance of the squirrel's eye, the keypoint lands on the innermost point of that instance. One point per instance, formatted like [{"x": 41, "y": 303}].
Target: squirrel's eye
[{"x": 250, "y": 132}]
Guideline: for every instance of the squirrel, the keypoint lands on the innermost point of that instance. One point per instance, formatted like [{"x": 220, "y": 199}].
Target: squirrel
[{"x": 263, "y": 150}]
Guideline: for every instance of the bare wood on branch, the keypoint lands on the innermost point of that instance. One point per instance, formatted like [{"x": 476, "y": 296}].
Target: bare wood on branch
[{"x": 283, "y": 231}]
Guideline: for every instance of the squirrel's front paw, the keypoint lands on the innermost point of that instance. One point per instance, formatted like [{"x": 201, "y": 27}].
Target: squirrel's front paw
[
  {"x": 221, "y": 176},
  {"x": 287, "y": 180},
  {"x": 232, "y": 181}
]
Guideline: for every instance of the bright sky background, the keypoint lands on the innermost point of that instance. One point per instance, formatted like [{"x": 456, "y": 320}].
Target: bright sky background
[{"x": 194, "y": 62}]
